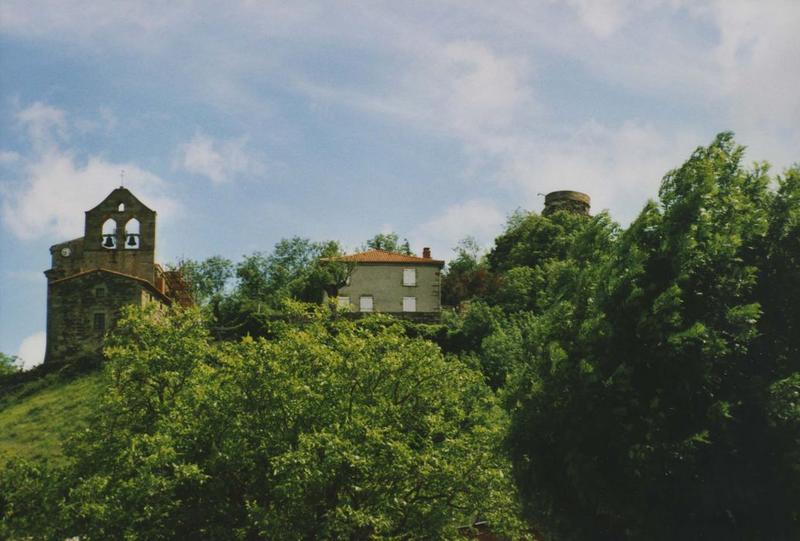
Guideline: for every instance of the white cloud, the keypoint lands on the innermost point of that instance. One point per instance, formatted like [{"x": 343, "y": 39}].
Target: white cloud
[
  {"x": 475, "y": 76},
  {"x": 133, "y": 24},
  {"x": 620, "y": 167},
  {"x": 31, "y": 350},
  {"x": 477, "y": 218},
  {"x": 604, "y": 17},
  {"x": 57, "y": 187},
  {"x": 463, "y": 89},
  {"x": 9, "y": 156},
  {"x": 45, "y": 125},
  {"x": 758, "y": 58},
  {"x": 219, "y": 160}
]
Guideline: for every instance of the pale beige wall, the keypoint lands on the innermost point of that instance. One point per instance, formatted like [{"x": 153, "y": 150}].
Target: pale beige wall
[{"x": 385, "y": 283}]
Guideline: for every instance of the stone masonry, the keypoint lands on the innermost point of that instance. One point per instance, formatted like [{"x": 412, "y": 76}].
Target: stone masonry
[{"x": 93, "y": 277}]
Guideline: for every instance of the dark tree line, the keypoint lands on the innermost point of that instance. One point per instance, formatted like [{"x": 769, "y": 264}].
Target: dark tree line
[{"x": 653, "y": 374}]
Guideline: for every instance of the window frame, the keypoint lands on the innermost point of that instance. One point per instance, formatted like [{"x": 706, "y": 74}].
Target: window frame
[
  {"x": 361, "y": 300},
  {"x": 99, "y": 316}
]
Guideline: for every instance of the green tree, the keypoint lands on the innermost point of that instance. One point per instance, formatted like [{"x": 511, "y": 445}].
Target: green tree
[
  {"x": 389, "y": 242},
  {"x": 209, "y": 278},
  {"x": 535, "y": 258},
  {"x": 658, "y": 394},
  {"x": 293, "y": 270},
  {"x": 468, "y": 275},
  {"x": 331, "y": 430},
  {"x": 8, "y": 364}
]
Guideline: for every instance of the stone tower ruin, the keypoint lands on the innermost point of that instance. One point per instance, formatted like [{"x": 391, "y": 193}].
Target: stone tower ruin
[
  {"x": 576, "y": 202},
  {"x": 92, "y": 277}
]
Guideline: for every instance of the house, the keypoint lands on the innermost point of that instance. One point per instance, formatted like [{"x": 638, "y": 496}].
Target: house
[
  {"x": 92, "y": 277},
  {"x": 393, "y": 283}
]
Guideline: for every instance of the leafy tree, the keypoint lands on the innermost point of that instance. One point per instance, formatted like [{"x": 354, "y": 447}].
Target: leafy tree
[
  {"x": 292, "y": 271},
  {"x": 389, "y": 242},
  {"x": 658, "y": 394},
  {"x": 535, "y": 254},
  {"x": 331, "y": 430},
  {"x": 297, "y": 268},
  {"x": 209, "y": 278},
  {"x": 8, "y": 364},
  {"x": 468, "y": 275}
]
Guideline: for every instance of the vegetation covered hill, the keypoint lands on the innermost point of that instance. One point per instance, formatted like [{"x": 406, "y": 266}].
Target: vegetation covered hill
[{"x": 37, "y": 416}]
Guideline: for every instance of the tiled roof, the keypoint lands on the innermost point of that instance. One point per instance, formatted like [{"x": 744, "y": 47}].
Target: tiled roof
[{"x": 382, "y": 256}]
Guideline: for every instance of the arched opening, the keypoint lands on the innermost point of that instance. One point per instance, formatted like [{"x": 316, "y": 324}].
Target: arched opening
[
  {"x": 121, "y": 207},
  {"x": 110, "y": 234},
  {"x": 132, "y": 238}
]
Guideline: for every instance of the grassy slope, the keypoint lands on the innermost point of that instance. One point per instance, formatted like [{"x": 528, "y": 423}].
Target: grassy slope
[{"x": 36, "y": 419}]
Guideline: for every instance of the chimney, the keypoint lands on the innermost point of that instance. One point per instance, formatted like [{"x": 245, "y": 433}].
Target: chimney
[
  {"x": 426, "y": 253},
  {"x": 568, "y": 200}
]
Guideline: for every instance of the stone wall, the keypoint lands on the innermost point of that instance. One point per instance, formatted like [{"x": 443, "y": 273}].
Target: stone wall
[
  {"x": 121, "y": 207},
  {"x": 75, "y": 304}
]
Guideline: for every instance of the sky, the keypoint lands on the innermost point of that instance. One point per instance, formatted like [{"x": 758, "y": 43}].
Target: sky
[{"x": 244, "y": 122}]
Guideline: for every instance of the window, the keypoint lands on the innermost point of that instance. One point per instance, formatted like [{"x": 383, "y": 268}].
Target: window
[
  {"x": 100, "y": 292},
  {"x": 409, "y": 277},
  {"x": 409, "y": 304},
  {"x": 365, "y": 303},
  {"x": 121, "y": 207},
  {"x": 100, "y": 323},
  {"x": 344, "y": 302}
]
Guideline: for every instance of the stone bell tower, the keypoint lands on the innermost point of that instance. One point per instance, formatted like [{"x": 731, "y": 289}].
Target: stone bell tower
[
  {"x": 120, "y": 235},
  {"x": 91, "y": 278}
]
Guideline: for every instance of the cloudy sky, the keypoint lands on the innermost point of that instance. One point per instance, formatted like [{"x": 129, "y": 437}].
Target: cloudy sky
[{"x": 244, "y": 122}]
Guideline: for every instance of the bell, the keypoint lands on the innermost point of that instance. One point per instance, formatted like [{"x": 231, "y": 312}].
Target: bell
[
  {"x": 132, "y": 240},
  {"x": 108, "y": 241}
]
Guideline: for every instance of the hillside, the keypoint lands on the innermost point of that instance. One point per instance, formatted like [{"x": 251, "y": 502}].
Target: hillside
[{"x": 37, "y": 417}]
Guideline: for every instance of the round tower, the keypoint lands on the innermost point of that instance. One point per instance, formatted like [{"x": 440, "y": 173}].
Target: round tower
[{"x": 568, "y": 200}]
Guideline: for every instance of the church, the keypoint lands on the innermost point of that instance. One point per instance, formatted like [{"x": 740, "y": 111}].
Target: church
[{"x": 93, "y": 277}]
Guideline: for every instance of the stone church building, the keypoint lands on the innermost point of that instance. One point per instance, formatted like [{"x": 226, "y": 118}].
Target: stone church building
[{"x": 92, "y": 277}]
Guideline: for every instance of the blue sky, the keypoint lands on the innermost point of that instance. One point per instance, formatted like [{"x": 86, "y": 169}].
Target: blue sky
[{"x": 242, "y": 123}]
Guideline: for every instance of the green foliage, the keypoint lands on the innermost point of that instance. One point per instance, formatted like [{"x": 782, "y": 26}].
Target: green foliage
[
  {"x": 333, "y": 429},
  {"x": 8, "y": 364},
  {"x": 537, "y": 259},
  {"x": 655, "y": 399},
  {"x": 468, "y": 275},
  {"x": 297, "y": 269},
  {"x": 389, "y": 242},
  {"x": 292, "y": 271},
  {"x": 208, "y": 279}
]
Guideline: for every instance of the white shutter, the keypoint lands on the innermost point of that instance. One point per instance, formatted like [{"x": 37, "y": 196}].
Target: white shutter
[
  {"x": 409, "y": 304},
  {"x": 409, "y": 277},
  {"x": 344, "y": 302},
  {"x": 365, "y": 303}
]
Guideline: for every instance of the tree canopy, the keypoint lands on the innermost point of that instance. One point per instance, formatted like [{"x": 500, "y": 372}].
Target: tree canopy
[
  {"x": 653, "y": 399},
  {"x": 330, "y": 430},
  {"x": 8, "y": 364},
  {"x": 389, "y": 242}
]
